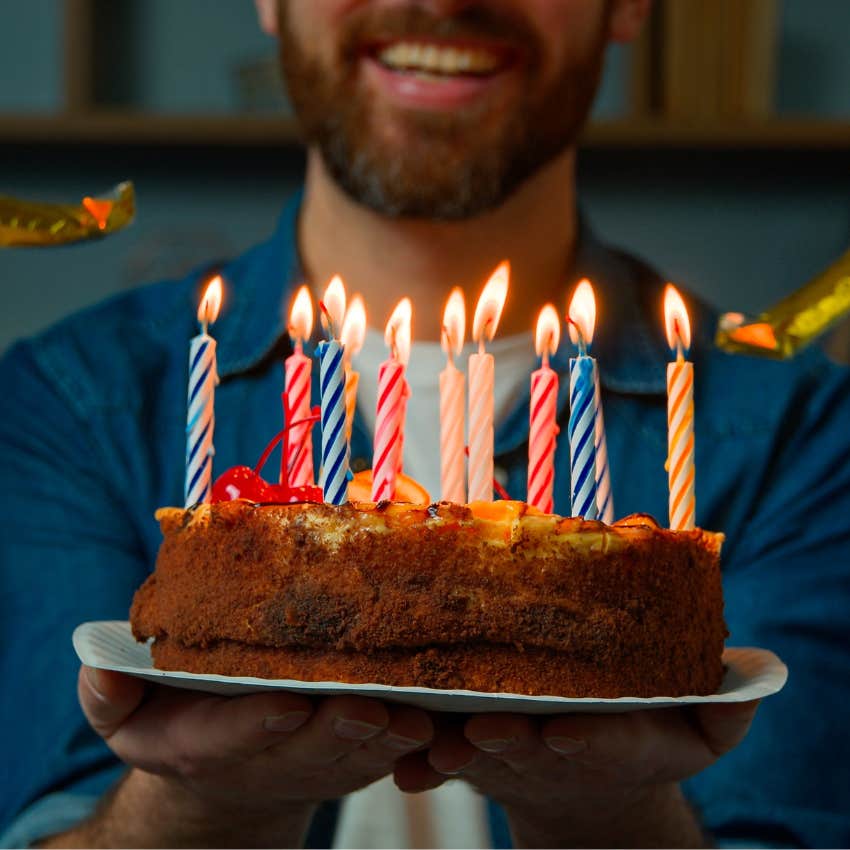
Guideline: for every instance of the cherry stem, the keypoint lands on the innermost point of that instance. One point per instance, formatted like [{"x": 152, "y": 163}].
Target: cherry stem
[{"x": 312, "y": 418}]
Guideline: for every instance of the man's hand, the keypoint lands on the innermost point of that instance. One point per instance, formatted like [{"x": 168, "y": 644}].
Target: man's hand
[
  {"x": 246, "y": 770},
  {"x": 582, "y": 779}
]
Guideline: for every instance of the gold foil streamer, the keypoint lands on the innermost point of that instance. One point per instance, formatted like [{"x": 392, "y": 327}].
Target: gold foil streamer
[
  {"x": 30, "y": 223},
  {"x": 795, "y": 321}
]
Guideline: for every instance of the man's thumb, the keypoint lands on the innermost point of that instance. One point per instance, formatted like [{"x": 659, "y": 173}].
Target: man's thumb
[{"x": 108, "y": 698}]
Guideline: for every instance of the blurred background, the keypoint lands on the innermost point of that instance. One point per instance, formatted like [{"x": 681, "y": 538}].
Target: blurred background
[{"x": 719, "y": 146}]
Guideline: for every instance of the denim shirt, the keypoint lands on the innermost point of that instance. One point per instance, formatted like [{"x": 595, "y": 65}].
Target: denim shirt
[{"x": 92, "y": 441}]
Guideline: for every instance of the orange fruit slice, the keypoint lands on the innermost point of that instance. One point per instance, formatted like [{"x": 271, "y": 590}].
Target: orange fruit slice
[{"x": 406, "y": 489}]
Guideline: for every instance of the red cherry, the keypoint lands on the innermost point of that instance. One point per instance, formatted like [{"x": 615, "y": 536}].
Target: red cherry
[{"x": 240, "y": 482}]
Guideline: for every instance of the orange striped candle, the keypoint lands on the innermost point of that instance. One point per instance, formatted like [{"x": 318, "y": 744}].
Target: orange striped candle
[{"x": 680, "y": 414}]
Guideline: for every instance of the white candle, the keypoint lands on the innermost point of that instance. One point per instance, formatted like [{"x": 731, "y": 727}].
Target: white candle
[{"x": 488, "y": 311}]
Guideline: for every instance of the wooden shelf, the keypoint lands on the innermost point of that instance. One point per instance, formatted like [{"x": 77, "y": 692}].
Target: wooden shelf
[{"x": 124, "y": 129}]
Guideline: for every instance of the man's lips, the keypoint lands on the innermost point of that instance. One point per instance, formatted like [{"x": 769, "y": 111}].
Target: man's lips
[{"x": 437, "y": 74}]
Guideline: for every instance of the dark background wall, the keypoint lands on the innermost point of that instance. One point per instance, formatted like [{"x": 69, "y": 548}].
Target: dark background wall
[{"x": 740, "y": 225}]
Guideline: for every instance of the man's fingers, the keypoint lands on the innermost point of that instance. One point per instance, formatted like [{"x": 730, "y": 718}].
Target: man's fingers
[
  {"x": 413, "y": 773},
  {"x": 724, "y": 725},
  {"x": 451, "y": 753},
  {"x": 339, "y": 726},
  {"x": 108, "y": 698},
  {"x": 409, "y": 729},
  {"x": 511, "y": 738},
  {"x": 186, "y": 732}
]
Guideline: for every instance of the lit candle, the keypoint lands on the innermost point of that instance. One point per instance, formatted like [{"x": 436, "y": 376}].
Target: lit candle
[
  {"x": 334, "y": 473},
  {"x": 604, "y": 495},
  {"x": 680, "y": 413},
  {"x": 296, "y": 463},
  {"x": 392, "y": 394},
  {"x": 543, "y": 413},
  {"x": 452, "y": 456},
  {"x": 488, "y": 311},
  {"x": 582, "y": 425},
  {"x": 353, "y": 333},
  {"x": 200, "y": 418}
]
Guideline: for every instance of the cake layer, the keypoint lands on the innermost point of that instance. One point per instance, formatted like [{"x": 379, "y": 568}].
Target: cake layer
[
  {"x": 334, "y": 581},
  {"x": 477, "y": 667}
]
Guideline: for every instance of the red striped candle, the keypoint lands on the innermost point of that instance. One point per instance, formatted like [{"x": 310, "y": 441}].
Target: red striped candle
[
  {"x": 297, "y": 465},
  {"x": 543, "y": 411},
  {"x": 392, "y": 396}
]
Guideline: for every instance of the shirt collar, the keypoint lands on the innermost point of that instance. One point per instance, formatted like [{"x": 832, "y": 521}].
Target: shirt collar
[
  {"x": 258, "y": 285},
  {"x": 628, "y": 344}
]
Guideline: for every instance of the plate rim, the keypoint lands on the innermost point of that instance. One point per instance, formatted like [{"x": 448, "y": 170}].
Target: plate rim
[{"x": 769, "y": 659}]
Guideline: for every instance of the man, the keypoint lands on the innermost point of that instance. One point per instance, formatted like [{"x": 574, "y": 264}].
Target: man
[{"x": 441, "y": 140}]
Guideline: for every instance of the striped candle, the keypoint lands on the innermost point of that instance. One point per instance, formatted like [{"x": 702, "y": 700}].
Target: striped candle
[
  {"x": 680, "y": 415},
  {"x": 452, "y": 392},
  {"x": 392, "y": 396},
  {"x": 353, "y": 333},
  {"x": 297, "y": 461},
  {"x": 488, "y": 311},
  {"x": 604, "y": 496},
  {"x": 200, "y": 418},
  {"x": 334, "y": 475},
  {"x": 543, "y": 411},
  {"x": 582, "y": 423}
]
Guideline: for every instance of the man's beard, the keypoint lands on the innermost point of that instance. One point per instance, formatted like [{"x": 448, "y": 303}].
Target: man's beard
[{"x": 444, "y": 166}]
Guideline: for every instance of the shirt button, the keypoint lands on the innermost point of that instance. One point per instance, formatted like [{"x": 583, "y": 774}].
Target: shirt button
[
  {"x": 501, "y": 475},
  {"x": 359, "y": 464}
]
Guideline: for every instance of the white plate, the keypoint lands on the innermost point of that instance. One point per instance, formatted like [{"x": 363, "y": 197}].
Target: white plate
[{"x": 109, "y": 645}]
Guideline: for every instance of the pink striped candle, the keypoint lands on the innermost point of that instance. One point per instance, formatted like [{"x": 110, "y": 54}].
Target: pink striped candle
[
  {"x": 296, "y": 465},
  {"x": 543, "y": 412},
  {"x": 392, "y": 395},
  {"x": 488, "y": 311},
  {"x": 452, "y": 455},
  {"x": 680, "y": 414}
]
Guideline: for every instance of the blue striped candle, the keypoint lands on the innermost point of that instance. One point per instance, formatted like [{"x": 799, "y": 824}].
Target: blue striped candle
[
  {"x": 582, "y": 434},
  {"x": 200, "y": 417},
  {"x": 334, "y": 476}
]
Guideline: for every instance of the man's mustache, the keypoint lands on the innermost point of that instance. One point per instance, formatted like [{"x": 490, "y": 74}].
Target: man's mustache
[{"x": 369, "y": 27}]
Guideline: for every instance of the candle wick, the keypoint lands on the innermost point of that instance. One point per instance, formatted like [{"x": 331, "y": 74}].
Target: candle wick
[
  {"x": 328, "y": 322},
  {"x": 481, "y": 349},
  {"x": 680, "y": 354},
  {"x": 582, "y": 345},
  {"x": 545, "y": 358},
  {"x": 204, "y": 327},
  {"x": 449, "y": 347}
]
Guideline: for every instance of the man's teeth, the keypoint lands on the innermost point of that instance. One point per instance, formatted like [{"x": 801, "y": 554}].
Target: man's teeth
[{"x": 431, "y": 59}]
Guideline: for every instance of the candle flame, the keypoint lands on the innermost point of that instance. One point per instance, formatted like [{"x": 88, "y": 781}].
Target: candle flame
[
  {"x": 301, "y": 316},
  {"x": 334, "y": 302},
  {"x": 210, "y": 302},
  {"x": 398, "y": 334},
  {"x": 454, "y": 323},
  {"x": 488, "y": 311},
  {"x": 582, "y": 314},
  {"x": 548, "y": 335},
  {"x": 676, "y": 321},
  {"x": 354, "y": 327}
]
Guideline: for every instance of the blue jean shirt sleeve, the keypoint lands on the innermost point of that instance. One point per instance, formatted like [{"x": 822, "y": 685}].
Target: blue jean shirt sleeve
[
  {"x": 787, "y": 588},
  {"x": 68, "y": 553}
]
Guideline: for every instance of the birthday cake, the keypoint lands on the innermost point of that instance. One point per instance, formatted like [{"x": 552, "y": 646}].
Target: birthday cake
[{"x": 493, "y": 597}]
